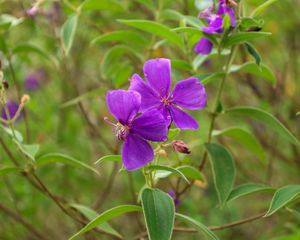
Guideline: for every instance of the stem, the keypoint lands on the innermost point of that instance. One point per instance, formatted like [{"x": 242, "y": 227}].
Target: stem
[{"x": 218, "y": 97}]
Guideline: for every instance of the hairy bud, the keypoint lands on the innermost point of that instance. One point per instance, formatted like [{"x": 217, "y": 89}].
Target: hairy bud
[
  {"x": 162, "y": 152},
  {"x": 25, "y": 98},
  {"x": 180, "y": 146}
]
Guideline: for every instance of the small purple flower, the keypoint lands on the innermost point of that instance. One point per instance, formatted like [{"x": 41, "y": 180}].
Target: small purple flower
[
  {"x": 32, "y": 12},
  {"x": 34, "y": 80},
  {"x": 155, "y": 91},
  {"x": 135, "y": 130},
  {"x": 204, "y": 46},
  {"x": 215, "y": 24},
  {"x": 12, "y": 110}
]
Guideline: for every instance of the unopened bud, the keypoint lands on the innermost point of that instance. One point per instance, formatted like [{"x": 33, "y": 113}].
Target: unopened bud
[
  {"x": 162, "y": 152},
  {"x": 25, "y": 98},
  {"x": 180, "y": 146},
  {"x": 32, "y": 11},
  {"x": 5, "y": 84}
]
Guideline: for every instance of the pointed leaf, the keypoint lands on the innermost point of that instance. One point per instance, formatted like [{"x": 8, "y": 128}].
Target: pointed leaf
[
  {"x": 267, "y": 119},
  {"x": 68, "y": 32},
  {"x": 242, "y": 37},
  {"x": 223, "y": 170},
  {"x": 91, "y": 214},
  {"x": 62, "y": 158},
  {"x": 117, "y": 158},
  {"x": 6, "y": 170},
  {"x": 156, "y": 29},
  {"x": 111, "y": 5},
  {"x": 167, "y": 169},
  {"x": 106, "y": 216},
  {"x": 191, "y": 173},
  {"x": 282, "y": 197},
  {"x": 257, "y": 11},
  {"x": 199, "y": 226},
  {"x": 248, "y": 188},
  {"x": 159, "y": 213},
  {"x": 245, "y": 138}
]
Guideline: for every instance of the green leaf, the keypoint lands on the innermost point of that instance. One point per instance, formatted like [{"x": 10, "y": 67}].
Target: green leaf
[
  {"x": 7, "y": 21},
  {"x": 84, "y": 96},
  {"x": 282, "y": 197},
  {"x": 167, "y": 169},
  {"x": 121, "y": 36},
  {"x": 254, "y": 53},
  {"x": 248, "y": 188},
  {"x": 181, "y": 64},
  {"x": 169, "y": 14},
  {"x": 30, "y": 48},
  {"x": 223, "y": 170},
  {"x": 106, "y": 216},
  {"x": 109, "y": 158},
  {"x": 159, "y": 213},
  {"x": 91, "y": 214},
  {"x": 156, "y": 29},
  {"x": 30, "y": 150},
  {"x": 173, "y": 133},
  {"x": 62, "y": 158},
  {"x": 191, "y": 173},
  {"x": 6, "y": 170},
  {"x": 257, "y": 11},
  {"x": 261, "y": 71},
  {"x": 245, "y": 138},
  {"x": 210, "y": 77},
  {"x": 250, "y": 23},
  {"x": 198, "y": 60},
  {"x": 199, "y": 226},
  {"x": 242, "y": 37},
  {"x": 111, "y": 5},
  {"x": 17, "y": 135},
  {"x": 266, "y": 118},
  {"x": 148, "y": 3},
  {"x": 68, "y": 32}
]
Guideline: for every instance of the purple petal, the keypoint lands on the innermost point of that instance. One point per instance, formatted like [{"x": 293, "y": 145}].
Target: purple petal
[
  {"x": 151, "y": 125},
  {"x": 136, "y": 152},
  {"x": 231, "y": 14},
  {"x": 158, "y": 73},
  {"x": 182, "y": 120},
  {"x": 204, "y": 46},
  {"x": 12, "y": 109},
  {"x": 123, "y": 105},
  {"x": 215, "y": 25},
  {"x": 149, "y": 97},
  {"x": 190, "y": 94}
]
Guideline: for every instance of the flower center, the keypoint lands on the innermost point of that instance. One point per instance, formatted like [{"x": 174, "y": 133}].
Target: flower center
[
  {"x": 167, "y": 100},
  {"x": 121, "y": 131}
]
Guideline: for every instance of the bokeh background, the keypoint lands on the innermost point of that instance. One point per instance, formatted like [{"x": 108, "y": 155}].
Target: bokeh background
[{"x": 67, "y": 106}]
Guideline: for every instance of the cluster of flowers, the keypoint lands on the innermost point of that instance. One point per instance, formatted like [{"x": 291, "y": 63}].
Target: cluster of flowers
[
  {"x": 215, "y": 24},
  {"x": 146, "y": 110}
]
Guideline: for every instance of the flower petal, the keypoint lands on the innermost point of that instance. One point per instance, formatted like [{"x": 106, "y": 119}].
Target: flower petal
[
  {"x": 151, "y": 125},
  {"x": 182, "y": 120},
  {"x": 190, "y": 94},
  {"x": 136, "y": 152},
  {"x": 123, "y": 105},
  {"x": 149, "y": 97},
  {"x": 204, "y": 46},
  {"x": 158, "y": 73}
]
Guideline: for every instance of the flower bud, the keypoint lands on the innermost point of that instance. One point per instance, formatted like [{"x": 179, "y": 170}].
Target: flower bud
[
  {"x": 162, "y": 152},
  {"x": 180, "y": 146},
  {"x": 31, "y": 12},
  {"x": 25, "y": 98}
]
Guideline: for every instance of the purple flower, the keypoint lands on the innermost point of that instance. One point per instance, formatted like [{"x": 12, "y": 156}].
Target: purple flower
[
  {"x": 31, "y": 12},
  {"x": 34, "y": 80},
  {"x": 12, "y": 110},
  {"x": 215, "y": 24},
  {"x": 204, "y": 46},
  {"x": 135, "y": 130},
  {"x": 155, "y": 91}
]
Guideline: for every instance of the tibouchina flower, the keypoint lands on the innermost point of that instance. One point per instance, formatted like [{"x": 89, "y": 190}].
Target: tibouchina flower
[
  {"x": 155, "y": 91},
  {"x": 135, "y": 130},
  {"x": 33, "y": 80},
  {"x": 215, "y": 24}
]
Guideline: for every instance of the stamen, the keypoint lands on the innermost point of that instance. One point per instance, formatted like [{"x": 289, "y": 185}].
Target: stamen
[{"x": 109, "y": 122}]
